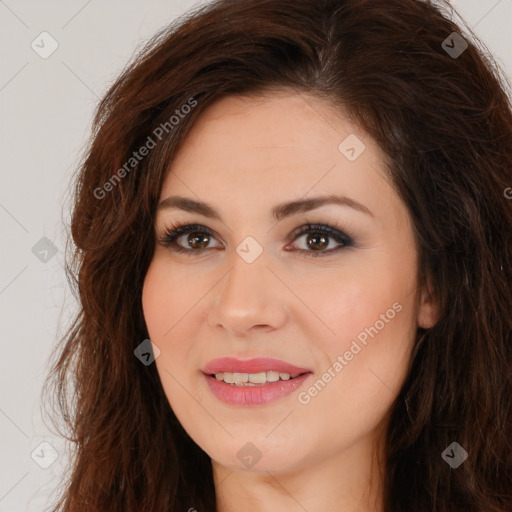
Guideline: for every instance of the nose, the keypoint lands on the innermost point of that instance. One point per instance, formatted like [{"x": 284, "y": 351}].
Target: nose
[{"x": 248, "y": 298}]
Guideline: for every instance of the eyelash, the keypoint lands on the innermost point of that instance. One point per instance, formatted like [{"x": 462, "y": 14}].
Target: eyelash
[{"x": 173, "y": 231}]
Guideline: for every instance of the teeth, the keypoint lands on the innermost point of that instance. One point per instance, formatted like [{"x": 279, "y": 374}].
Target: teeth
[
  {"x": 252, "y": 379},
  {"x": 229, "y": 378},
  {"x": 240, "y": 378},
  {"x": 272, "y": 376},
  {"x": 258, "y": 378}
]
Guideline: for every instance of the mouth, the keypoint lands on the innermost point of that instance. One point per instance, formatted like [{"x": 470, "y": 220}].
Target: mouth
[
  {"x": 253, "y": 382},
  {"x": 267, "y": 365},
  {"x": 254, "y": 379}
]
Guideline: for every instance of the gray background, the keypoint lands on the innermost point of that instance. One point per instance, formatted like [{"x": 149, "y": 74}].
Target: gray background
[{"x": 46, "y": 110}]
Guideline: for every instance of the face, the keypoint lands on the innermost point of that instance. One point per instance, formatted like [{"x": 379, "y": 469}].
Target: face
[{"x": 320, "y": 295}]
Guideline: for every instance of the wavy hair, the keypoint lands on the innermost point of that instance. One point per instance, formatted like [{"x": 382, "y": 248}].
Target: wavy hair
[{"x": 444, "y": 123}]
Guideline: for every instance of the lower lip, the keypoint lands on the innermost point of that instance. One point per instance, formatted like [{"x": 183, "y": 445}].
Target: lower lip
[{"x": 253, "y": 395}]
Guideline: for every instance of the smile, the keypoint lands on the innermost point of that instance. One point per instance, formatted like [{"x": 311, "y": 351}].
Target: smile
[
  {"x": 253, "y": 379},
  {"x": 257, "y": 381}
]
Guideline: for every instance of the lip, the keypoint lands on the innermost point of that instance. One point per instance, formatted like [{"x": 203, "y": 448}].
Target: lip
[
  {"x": 254, "y": 395},
  {"x": 256, "y": 365}
]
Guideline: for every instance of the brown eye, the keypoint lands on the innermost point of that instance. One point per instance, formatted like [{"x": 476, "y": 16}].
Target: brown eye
[
  {"x": 189, "y": 238},
  {"x": 195, "y": 239},
  {"x": 318, "y": 238},
  {"x": 198, "y": 240},
  {"x": 317, "y": 242}
]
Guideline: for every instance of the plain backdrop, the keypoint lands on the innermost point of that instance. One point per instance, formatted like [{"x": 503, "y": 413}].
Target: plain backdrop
[{"x": 47, "y": 103}]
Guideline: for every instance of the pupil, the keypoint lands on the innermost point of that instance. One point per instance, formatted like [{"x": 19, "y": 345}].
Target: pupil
[
  {"x": 200, "y": 238},
  {"x": 324, "y": 243}
]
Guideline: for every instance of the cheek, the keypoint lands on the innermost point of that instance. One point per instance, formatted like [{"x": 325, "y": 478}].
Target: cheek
[
  {"x": 155, "y": 301},
  {"x": 170, "y": 302},
  {"x": 166, "y": 298},
  {"x": 362, "y": 304},
  {"x": 363, "y": 365},
  {"x": 372, "y": 318}
]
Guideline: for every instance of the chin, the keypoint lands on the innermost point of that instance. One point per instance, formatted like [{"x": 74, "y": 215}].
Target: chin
[{"x": 258, "y": 453}]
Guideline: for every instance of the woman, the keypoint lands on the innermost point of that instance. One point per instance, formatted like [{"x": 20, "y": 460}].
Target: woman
[{"x": 293, "y": 259}]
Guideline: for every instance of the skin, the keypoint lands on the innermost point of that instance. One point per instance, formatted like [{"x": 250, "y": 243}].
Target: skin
[{"x": 243, "y": 157}]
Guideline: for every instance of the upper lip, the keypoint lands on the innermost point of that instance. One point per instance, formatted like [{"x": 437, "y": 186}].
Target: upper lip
[{"x": 256, "y": 365}]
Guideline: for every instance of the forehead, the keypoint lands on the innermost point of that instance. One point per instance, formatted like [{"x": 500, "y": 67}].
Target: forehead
[
  {"x": 273, "y": 148},
  {"x": 271, "y": 128}
]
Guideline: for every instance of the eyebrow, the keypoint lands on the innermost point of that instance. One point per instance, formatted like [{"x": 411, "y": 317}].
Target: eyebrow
[{"x": 279, "y": 212}]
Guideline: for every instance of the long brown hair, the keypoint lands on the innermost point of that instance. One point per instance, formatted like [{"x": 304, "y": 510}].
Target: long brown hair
[{"x": 444, "y": 122}]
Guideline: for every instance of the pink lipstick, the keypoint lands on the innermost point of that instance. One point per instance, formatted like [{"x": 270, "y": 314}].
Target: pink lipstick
[{"x": 252, "y": 382}]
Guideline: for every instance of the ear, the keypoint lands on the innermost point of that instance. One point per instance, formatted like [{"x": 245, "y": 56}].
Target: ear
[{"x": 428, "y": 311}]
